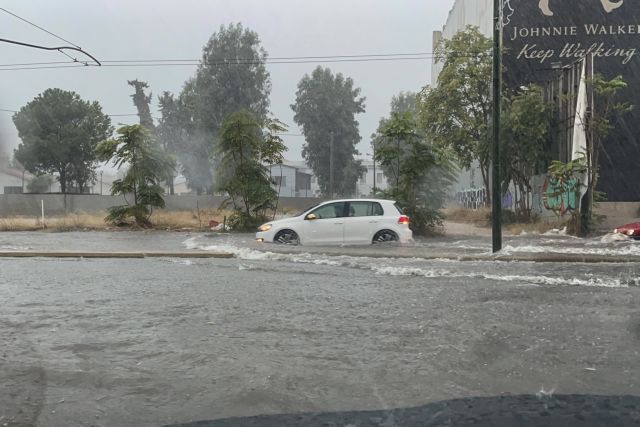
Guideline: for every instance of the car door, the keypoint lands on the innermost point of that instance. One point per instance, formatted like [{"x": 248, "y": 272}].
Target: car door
[
  {"x": 328, "y": 225},
  {"x": 361, "y": 221}
]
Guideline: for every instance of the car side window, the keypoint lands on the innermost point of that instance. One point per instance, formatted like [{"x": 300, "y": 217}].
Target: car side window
[
  {"x": 332, "y": 210},
  {"x": 357, "y": 209}
]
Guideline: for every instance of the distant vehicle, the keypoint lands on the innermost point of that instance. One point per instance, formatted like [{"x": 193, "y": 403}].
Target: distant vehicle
[
  {"x": 349, "y": 221},
  {"x": 632, "y": 230}
]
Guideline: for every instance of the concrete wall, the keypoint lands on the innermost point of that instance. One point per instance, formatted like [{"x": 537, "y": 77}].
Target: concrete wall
[{"x": 56, "y": 204}]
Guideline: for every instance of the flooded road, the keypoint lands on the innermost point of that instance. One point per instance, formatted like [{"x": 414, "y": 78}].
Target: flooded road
[{"x": 151, "y": 342}]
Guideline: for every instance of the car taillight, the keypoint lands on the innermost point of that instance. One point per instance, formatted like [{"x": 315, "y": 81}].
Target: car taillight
[{"x": 404, "y": 220}]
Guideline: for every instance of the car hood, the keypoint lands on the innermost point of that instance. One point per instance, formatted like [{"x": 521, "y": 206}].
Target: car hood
[{"x": 283, "y": 221}]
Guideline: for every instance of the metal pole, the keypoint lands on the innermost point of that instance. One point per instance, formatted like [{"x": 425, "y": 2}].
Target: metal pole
[
  {"x": 374, "y": 170},
  {"x": 331, "y": 166},
  {"x": 496, "y": 199}
]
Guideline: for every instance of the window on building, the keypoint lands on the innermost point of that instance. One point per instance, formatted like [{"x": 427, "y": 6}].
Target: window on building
[
  {"x": 280, "y": 181},
  {"x": 379, "y": 176}
]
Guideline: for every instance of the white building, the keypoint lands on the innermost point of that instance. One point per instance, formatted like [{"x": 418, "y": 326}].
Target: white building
[
  {"x": 367, "y": 182},
  {"x": 294, "y": 179},
  {"x": 478, "y": 13}
]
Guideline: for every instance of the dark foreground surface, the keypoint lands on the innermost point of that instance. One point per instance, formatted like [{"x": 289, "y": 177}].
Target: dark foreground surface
[
  {"x": 154, "y": 342},
  {"x": 522, "y": 411}
]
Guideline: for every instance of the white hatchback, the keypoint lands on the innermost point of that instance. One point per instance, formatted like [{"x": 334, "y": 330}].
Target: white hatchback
[{"x": 349, "y": 221}]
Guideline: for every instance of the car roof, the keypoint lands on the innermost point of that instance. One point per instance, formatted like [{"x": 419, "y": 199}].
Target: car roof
[{"x": 357, "y": 200}]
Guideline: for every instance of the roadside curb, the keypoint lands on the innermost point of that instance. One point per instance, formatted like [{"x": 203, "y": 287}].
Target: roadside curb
[{"x": 123, "y": 255}]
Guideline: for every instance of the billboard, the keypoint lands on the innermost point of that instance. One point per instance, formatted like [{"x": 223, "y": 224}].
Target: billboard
[{"x": 542, "y": 36}]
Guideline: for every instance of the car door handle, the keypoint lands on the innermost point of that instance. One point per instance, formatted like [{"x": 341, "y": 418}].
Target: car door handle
[
  {"x": 338, "y": 223},
  {"x": 373, "y": 222}
]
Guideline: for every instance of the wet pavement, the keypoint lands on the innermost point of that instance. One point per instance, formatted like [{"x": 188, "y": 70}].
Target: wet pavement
[{"x": 167, "y": 341}]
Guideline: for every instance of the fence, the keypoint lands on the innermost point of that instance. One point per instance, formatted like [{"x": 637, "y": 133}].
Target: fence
[{"x": 57, "y": 204}]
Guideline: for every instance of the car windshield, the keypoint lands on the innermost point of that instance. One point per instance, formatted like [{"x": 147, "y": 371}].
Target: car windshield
[
  {"x": 302, "y": 212},
  {"x": 319, "y": 213}
]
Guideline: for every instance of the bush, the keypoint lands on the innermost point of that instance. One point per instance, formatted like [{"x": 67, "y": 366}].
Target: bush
[{"x": 240, "y": 221}]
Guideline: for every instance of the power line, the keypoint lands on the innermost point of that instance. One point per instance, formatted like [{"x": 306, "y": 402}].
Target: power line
[
  {"x": 39, "y": 27},
  {"x": 238, "y": 61},
  {"x": 57, "y": 48},
  {"x": 194, "y": 63},
  {"x": 110, "y": 115}
]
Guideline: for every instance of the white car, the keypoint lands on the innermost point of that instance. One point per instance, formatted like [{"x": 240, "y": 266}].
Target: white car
[{"x": 350, "y": 221}]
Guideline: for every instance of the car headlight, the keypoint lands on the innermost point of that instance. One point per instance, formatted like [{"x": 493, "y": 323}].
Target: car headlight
[
  {"x": 630, "y": 232},
  {"x": 264, "y": 227}
]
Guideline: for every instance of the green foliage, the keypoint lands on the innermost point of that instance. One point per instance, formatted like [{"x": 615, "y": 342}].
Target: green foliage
[
  {"x": 59, "y": 133},
  {"x": 221, "y": 86},
  {"x": 325, "y": 107},
  {"x": 420, "y": 172},
  {"x": 404, "y": 102},
  {"x": 245, "y": 146},
  {"x": 526, "y": 132},
  {"x": 456, "y": 114},
  {"x": 147, "y": 165},
  {"x": 40, "y": 184}
]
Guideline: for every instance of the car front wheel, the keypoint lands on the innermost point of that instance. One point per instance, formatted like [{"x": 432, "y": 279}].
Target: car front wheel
[
  {"x": 287, "y": 237},
  {"x": 385, "y": 236}
]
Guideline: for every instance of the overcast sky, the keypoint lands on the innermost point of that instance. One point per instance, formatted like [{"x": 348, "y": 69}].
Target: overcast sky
[{"x": 162, "y": 29}]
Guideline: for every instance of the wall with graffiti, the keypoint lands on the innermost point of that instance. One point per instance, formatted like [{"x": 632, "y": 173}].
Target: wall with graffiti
[{"x": 553, "y": 197}]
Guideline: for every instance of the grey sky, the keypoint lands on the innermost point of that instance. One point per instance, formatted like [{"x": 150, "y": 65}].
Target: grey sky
[{"x": 160, "y": 29}]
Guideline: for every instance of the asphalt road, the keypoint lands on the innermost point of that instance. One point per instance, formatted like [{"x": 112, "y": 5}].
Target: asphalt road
[{"x": 166, "y": 341}]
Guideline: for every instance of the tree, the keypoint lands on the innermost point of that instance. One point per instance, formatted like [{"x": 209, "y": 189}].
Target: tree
[
  {"x": 526, "y": 133},
  {"x": 147, "y": 166},
  {"x": 40, "y": 184},
  {"x": 59, "y": 133},
  {"x": 420, "y": 172},
  {"x": 404, "y": 102},
  {"x": 246, "y": 145},
  {"x": 325, "y": 108},
  {"x": 456, "y": 114},
  {"x": 141, "y": 102},
  {"x": 231, "y": 77},
  {"x": 171, "y": 131}
]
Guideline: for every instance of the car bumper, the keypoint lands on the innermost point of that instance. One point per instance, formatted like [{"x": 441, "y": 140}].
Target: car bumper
[{"x": 264, "y": 236}]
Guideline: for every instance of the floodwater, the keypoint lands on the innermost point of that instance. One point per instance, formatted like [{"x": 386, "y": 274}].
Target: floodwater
[{"x": 149, "y": 342}]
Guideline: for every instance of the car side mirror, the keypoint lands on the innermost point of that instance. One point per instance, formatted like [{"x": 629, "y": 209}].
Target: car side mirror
[{"x": 311, "y": 217}]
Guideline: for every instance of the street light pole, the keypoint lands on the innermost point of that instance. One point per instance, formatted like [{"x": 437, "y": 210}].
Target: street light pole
[
  {"x": 496, "y": 199},
  {"x": 331, "y": 166}
]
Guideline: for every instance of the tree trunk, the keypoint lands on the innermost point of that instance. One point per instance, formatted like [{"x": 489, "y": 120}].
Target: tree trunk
[
  {"x": 63, "y": 180},
  {"x": 487, "y": 184}
]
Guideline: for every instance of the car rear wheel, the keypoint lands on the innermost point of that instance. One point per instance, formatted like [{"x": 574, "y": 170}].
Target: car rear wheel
[
  {"x": 287, "y": 237},
  {"x": 385, "y": 236}
]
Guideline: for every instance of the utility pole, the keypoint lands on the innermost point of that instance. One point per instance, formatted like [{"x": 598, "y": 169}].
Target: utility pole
[
  {"x": 496, "y": 199},
  {"x": 374, "y": 170},
  {"x": 331, "y": 165}
]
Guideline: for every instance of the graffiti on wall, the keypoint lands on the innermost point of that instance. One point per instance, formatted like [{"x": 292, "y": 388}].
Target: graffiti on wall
[
  {"x": 560, "y": 195},
  {"x": 473, "y": 198}
]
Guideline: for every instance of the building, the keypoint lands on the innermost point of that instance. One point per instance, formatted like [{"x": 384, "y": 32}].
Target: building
[
  {"x": 294, "y": 179},
  {"x": 543, "y": 46},
  {"x": 373, "y": 178}
]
